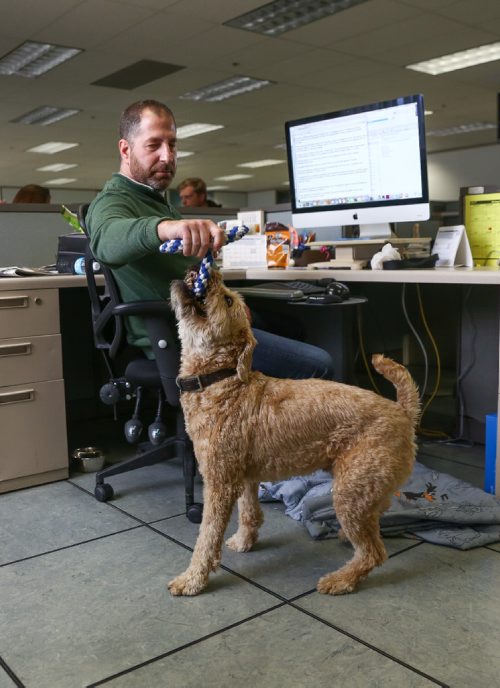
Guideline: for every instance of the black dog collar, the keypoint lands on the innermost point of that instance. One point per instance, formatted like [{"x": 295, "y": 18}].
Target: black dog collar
[{"x": 196, "y": 383}]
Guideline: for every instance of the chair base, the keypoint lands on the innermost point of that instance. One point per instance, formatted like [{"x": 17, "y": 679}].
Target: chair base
[{"x": 148, "y": 456}]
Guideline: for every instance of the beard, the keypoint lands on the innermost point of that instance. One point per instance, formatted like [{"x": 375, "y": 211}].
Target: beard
[{"x": 157, "y": 177}]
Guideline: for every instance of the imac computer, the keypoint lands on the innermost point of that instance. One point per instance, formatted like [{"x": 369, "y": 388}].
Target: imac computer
[{"x": 362, "y": 166}]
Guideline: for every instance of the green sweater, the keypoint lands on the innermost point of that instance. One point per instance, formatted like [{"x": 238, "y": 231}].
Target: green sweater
[{"x": 122, "y": 222}]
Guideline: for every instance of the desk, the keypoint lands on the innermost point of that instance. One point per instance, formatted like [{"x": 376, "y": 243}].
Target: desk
[
  {"x": 33, "y": 446},
  {"x": 23, "y": 461},
  {"x": 436, "y": 276}
]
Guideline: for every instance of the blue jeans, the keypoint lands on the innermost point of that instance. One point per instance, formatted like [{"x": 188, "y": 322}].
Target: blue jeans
[{"x": 287, "y": 358}]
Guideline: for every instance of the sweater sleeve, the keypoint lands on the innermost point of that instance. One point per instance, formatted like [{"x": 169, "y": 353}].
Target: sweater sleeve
[{"x": 117, "y": 235}]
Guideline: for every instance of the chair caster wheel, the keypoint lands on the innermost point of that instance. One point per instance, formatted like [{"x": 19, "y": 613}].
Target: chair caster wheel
[
  {"x": 103, "y": 492},
  {"x": 195, "y": 512}
]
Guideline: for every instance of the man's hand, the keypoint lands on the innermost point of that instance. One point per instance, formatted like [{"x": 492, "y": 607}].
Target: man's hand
[{"x": 198, "y": 236}]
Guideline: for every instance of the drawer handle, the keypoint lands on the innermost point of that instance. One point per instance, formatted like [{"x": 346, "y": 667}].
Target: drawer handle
[
  {"x": 14, "y": 301},
  {"x": 21, "y": 349},
  {"x": 16, "y": 397}
]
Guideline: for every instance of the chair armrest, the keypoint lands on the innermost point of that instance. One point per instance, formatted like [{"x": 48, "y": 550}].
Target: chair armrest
[{"x": 142, "y": 308}]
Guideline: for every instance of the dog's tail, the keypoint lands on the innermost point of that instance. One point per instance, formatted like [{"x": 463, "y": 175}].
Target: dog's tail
[{"x": 406, "y": 389}]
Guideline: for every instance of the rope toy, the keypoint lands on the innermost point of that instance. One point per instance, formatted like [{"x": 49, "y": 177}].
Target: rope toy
[{"x": 200, "y": 284}]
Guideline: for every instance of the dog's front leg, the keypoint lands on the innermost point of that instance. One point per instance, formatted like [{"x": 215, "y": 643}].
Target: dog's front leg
[
  {"x": 218, "y": 504},
  {"x": 250, "y": 518}
]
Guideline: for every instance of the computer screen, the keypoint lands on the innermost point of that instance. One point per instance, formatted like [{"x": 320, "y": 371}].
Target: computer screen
[{"x": 360, "y": 166}]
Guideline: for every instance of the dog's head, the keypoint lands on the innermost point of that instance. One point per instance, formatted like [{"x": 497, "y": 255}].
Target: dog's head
[{"x": 214, "y": 328}]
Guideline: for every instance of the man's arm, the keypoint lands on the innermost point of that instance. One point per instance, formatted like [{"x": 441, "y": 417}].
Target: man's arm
[
  {"x": 198, "y": 236},
  {"x": 118, "y": 236}
]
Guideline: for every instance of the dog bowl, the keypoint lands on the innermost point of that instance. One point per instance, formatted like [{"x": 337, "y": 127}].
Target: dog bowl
[{"x": 88, "y": 459}]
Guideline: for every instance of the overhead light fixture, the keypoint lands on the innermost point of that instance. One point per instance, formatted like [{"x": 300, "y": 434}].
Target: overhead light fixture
[
  {"x": 462, "y": 129},
  {"x": 47, "y": 114},
  {"x": 60, "y": 181},
  {"x": 459, "y": 60},
  {"x": 56, "y": 167},
  {"x": 31, "y": 59},
  {"x": 196, "y": 128},
  {"x": 228, "y": 88},
  {"x": 261, "y": 163},
  {"x": 184, "y": 154},
  {"x": 52, "y": 147},
  {"x": 233, "y": 177},
  {"x": 285, "y": 15},
  {"x": 218, "y": 187}
]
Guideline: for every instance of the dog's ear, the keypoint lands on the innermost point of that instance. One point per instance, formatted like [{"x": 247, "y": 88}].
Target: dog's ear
[{"x": 244, "y": 363}]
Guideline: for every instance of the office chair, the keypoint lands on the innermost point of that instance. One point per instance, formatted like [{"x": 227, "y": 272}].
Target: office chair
[{"x": 108, "y": 314}]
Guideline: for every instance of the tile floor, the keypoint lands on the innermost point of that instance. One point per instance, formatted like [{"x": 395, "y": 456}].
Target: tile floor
[{"x": 83, "y": 599}]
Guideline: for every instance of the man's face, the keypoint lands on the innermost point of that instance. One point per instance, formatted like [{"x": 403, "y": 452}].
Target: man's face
[
  {"x": 189, "y": 197},
  {"x": 150, "y": 157}
]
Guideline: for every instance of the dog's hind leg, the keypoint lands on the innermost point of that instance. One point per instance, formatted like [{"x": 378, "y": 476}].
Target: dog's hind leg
[
  {"x": 359, "y": 517},
  {"x": 218, "y": 504},
  {"x": 250, "y": 518}
]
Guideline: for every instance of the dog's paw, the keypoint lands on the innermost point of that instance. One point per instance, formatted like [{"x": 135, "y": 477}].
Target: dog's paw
[
  {"x": 335, "y": 584},
  {"x": 240, "y": 543},
  {"x": 186, "y": 584}
]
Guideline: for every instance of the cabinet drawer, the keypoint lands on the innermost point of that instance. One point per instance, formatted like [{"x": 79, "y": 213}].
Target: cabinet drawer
[
  {"x": 32, "y": 431},
  {"x": 29, "y": 312},
  {"x": 30, "y": 359}
]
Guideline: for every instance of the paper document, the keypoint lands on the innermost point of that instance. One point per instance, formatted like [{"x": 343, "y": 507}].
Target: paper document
[
  {"x": 248, "y": 252},
  {"x": 452, "y": 247}
]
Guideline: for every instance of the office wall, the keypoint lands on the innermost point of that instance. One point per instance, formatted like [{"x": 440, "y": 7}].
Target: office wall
[
  {"x": 450, "y": 170},
  {"x": 30, "y": 238}
]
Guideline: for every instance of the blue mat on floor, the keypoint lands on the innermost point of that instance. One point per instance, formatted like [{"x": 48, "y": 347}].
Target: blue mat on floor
[{"x": 432, "y": 506}]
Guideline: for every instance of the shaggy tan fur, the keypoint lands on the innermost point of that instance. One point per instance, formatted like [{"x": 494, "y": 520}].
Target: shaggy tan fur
[{"x": 250, "y": 427}]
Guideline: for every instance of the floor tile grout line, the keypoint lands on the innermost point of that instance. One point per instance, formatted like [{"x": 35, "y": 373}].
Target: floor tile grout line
[
  {"x": 74, "y": 544},
  {"x": 369, "y": 645},
  {"x": 11, "y": 674},
  {"x": 186, "y": 646}
]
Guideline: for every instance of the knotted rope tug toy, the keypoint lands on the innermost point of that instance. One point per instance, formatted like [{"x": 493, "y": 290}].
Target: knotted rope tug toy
[{"x": 200, "y": 283}]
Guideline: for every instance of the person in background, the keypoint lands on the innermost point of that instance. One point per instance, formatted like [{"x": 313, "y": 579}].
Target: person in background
[
  {"x": 193, "y": 193},
  {"x": 130, "y": 218},
  {"x": 32, "y": 193}
]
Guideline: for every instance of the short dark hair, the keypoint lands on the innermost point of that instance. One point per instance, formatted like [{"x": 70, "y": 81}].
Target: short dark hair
[
  {"x": 130, "y": 119},
  {"x": 32, "y": 193}
]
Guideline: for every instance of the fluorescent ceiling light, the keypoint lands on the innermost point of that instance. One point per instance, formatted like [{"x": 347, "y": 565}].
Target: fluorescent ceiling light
[
  {"x": 228, "y": 88},
  {"x": 462, "y": 129},
  {"x": 219, "y": 187},
  {"x": 56, "y": 167},
  {"x": 196, "y": 128},
  {"x": 60, "y": 181},
  {"x": 184, "y": 154},
  {"x": 32, "y": 59},
  {"x": 284, "y": 15},
  {"x": 233, "y": 177},
  {"x": 460, "y": 60},
  {"x": 261, "y": 163},
  {"x": 52, "y": 147},
  {"x": 47, "y": 114}
]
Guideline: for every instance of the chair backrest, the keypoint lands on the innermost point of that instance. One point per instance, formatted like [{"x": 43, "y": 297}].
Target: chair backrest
[
  {"x": 108, "y": 313},
  {"x": 109, "y": 329}
]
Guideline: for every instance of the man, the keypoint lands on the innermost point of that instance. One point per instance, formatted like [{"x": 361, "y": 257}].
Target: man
[
  {"x": 193, "y": 193},
  {"x": 130, "y": 218}
]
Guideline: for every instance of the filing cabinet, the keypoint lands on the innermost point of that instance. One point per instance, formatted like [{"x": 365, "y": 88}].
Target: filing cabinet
[{"x": 33, "y": 436}]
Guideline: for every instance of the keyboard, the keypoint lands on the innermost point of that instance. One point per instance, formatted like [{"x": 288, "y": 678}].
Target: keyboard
[
  {"x": 261, "y": 291},
  {"x": 295, "y": 285}
]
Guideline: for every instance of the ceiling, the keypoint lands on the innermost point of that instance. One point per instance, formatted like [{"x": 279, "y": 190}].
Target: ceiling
[{"x": 354, "y": 57}]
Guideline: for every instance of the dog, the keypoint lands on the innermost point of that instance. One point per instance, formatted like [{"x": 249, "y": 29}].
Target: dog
[{"x": 247, "y": 427}]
